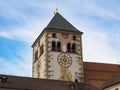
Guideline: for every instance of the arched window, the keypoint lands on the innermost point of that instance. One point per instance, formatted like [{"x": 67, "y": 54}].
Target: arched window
[
  {"x": 53, "y": 45},
  {"x": 73, "y": 48},
  {"x": 58, "y": 46},
  {"x": 68, "y": 47}
]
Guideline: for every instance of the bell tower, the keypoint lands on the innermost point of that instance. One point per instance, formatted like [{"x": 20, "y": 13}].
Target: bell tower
[{"x": 57, "y": 52}]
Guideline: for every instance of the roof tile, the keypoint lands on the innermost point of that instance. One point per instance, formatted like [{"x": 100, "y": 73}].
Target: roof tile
[
  {"x": 97, "y": 74},
  {"x": 115, "y": 79}
]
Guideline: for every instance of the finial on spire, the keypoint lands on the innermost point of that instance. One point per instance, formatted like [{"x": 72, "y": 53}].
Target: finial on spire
[{"x": 56, "y": 10}]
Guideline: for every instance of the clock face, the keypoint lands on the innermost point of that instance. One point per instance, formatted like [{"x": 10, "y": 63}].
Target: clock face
[{"x": 64, "y": 60}]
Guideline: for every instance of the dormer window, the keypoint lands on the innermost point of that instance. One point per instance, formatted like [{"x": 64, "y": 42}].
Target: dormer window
[
  {"x": 3, "y": 79},
  {"x": 54, "y": 35}
]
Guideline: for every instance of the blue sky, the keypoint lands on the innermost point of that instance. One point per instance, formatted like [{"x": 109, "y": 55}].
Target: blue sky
[{"x": 21, "y": 21}]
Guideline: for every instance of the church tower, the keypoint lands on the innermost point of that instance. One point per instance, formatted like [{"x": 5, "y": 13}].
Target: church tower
[{"x": 57, "y": 52}]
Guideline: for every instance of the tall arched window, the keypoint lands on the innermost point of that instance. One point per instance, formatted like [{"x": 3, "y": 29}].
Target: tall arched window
[
  {"x": 68, "y": 47},
  {"x": 73, "y": 48},
  {"x": 58, "y": 46},
  {"x": 53, "y": 45}
]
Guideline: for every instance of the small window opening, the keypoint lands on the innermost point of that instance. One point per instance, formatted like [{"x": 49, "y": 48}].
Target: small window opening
[
  {"x": 54, "y": 35},
  {"x": 74, "y": 37},
  {"x": 73, "y": 48},
  {"x": 41, "y": 50},
  {"x": 54, "y": 46},
  {"x": 58, "y": 46},
  {"x": 38, "y": 43},
  {"x": 36, "y": 55},
  {"x": 68, "y": 47}
]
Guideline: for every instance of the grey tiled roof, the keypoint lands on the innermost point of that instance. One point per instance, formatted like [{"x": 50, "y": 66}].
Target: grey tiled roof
[{"x": 59, "y": 22}]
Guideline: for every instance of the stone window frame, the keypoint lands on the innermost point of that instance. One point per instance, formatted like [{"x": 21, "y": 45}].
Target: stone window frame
[
  {"x": 56, "y": 46},
  {"x": 71, "y": 47}
]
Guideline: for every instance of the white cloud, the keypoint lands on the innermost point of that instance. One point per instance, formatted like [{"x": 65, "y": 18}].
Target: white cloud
[
  {"x": 101, "y": 12},
  {"x": 94, "y": 8},
  {"x": 96, "y": 45},
  {"x": 97, "y": 48},
  {"x": 5, "y": 34},
  {"x": 26, "y": 33}
]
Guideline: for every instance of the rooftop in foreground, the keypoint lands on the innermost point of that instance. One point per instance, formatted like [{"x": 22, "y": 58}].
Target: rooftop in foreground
[
  {"x": 96, "y": 74},
  {"x": 27, "y": 83}
]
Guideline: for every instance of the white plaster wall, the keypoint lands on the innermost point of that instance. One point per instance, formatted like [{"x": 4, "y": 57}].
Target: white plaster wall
[
  {"x": 75, "y": 67},
  {"x": 54, "y": 65},
  {"x": 52, "y": 56},
  {"x": 41, "y": 58}
]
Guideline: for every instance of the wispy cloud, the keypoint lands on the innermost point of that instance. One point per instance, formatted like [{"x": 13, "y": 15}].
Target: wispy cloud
[
  {"x": 97, "y": 10},
  {"x": 5, "y": 34},
  {"x": 18, "y": 64},
  {"x": 18, "y": 67},
  {"x": 29, "y": 22},
  {"x": 97, "y": 48},
  {"x": 101, "y": 9}
]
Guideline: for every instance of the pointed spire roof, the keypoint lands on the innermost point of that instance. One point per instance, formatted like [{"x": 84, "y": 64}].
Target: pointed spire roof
[{"x": 59, "y": 22}]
